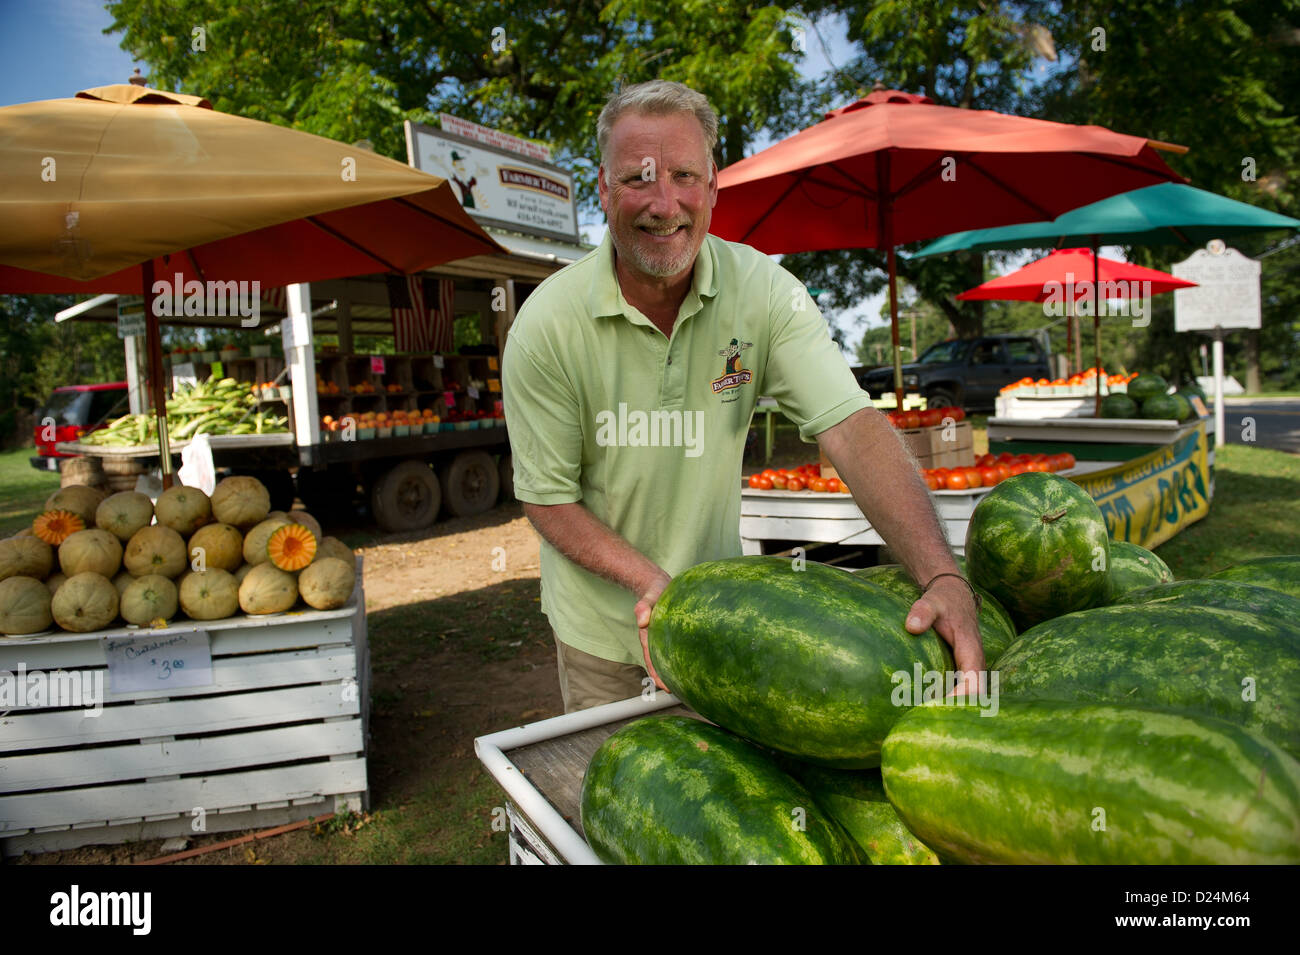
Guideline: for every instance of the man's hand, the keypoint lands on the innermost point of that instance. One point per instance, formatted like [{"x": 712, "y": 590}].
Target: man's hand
[
  {"x": 947, "y": 606},
  {"x": 644, "y": 607}
]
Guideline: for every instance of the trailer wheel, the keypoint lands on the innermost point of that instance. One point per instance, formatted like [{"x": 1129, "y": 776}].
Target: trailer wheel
[
  {"x": 406, "y": 497},
  {"x": 506, "y": 472},
  {"x": 470, "y": 483}
]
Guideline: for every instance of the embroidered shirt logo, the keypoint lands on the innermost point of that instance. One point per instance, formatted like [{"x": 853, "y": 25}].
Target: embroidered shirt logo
[{"x": 734, "y": 375}]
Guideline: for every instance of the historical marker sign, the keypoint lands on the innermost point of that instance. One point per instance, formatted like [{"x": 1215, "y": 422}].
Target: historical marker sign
[{"x": 1226, "y": 293}]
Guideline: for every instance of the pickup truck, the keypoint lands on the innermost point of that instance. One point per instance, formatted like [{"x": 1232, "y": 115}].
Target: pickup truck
[
  {"x": 70, "y": 412},
  {"x": 966, "y": 371}
]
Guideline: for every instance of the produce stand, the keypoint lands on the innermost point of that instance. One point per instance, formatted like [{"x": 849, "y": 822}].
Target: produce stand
[
  {"x": 540, "y": 766},
  {"x": 279, "y": 735}
]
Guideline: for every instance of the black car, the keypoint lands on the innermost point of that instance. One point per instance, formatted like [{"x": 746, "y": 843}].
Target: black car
[{"x": 966, "y": 371}]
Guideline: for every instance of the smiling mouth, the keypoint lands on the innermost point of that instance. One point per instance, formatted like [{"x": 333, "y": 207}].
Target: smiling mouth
[{"x": 662, "y": 232}]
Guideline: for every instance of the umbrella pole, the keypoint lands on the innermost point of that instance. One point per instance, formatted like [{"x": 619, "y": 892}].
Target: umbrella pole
[
  {"x": 1096, "y": 323},
  {"x": 1069, "y": 336},
  {"x": 156, "y": 374},
  {"x": 893, "y": 329}
]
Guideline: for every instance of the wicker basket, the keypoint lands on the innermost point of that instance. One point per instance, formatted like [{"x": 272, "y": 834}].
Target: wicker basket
[{"x": 86, "y": 471}]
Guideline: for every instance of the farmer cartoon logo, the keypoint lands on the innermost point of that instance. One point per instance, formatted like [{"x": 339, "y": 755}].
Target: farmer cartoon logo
[{"x": 734, "y": 375}]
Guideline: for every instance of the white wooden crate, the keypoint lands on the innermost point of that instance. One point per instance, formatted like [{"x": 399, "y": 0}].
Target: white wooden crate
[{"x": 281, "y": 734}]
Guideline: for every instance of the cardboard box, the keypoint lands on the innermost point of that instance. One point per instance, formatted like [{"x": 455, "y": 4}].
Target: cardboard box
[{"x": 956, "y": 437}]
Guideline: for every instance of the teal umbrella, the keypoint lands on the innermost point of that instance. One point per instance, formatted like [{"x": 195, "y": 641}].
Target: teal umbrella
[{"x": 1165, "y": 214}]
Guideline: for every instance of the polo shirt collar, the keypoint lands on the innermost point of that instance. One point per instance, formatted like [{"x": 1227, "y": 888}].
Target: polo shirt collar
[{"x": 605, "y": 298}]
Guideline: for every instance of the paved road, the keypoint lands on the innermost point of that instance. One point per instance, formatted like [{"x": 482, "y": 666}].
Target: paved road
[{"x": 1266, "y": 423}]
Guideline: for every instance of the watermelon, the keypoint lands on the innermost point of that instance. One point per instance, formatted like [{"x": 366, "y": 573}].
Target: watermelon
[
  {"x": 1184, "y": 406},
  {"x": 803, "y": 661},
  {"x": 1277, "y": 573},
  {"x": 1038, "y": 543},
  {"x": 1118, "y": 406},
  {"x": 1225, "y": 663},
  {"x": 996, "y": 628},
  {"x": 1224, "y": 595},
  {"x": 1146, "y": 385},
  {"x": 674, "y": 790},
  {"x": 1187, "y": 391},
  {"x": 1132, "y": 568},
  {"x": 855, "y": 798},
  {"x": 1160, "y": 407},
  {"x": 1051, "y": 783}
]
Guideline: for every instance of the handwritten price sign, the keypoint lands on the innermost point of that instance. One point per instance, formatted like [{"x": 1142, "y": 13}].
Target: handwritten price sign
[{"x": 158, "y": 662}]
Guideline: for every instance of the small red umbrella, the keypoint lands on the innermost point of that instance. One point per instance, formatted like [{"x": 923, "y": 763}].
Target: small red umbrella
[
  {"x": 895, "y": 168},
  {"x": 1071, "y": 276}
]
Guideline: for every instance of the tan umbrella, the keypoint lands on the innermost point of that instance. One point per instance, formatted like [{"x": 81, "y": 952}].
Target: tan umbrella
[{"x": 105, "y": 191}]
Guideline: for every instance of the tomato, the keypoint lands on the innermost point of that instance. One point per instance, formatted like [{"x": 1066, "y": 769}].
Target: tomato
[
  {"x": 895, "y": 418},
  {"x": 794, "y": 484},
  {"x": 1067, "y": 460},
  {"x": 779, "y": 482},
  {"x": 956, "y": 481},
  {"x": 769, "y": 473},
  {"x": 1006, "y": 457},
  {"x": 784, "y": 472},
  {"x": 817, "y": 484},
  {"x": 952, "y": 411},
  {"x": 834, "y": 485},
  {"x": 1018, "y": 467},
  {"x": 988, "y": 476},
  {"x": 986, "y": 461},
  {"x": 764, "y": 484},
  {"x": 1036, "y": 466},
  {"x": 931, "y": 417},
  {"x": 973, "y": 478},
  {"x": 932, "y": 482},
  {"x": 1003, "y": 469},
  {"x": 815, "y": 470},
  {"x": 940, "y": 473},
  {"x": 1024, "y": 458},
  {"x": 754, "y": 479}
]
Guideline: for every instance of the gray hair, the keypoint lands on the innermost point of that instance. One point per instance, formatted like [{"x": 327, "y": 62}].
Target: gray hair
[{"x": 657, "y": 98}]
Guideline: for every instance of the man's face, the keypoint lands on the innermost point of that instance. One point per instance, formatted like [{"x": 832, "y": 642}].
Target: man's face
[{"x": 658, "y": 192}]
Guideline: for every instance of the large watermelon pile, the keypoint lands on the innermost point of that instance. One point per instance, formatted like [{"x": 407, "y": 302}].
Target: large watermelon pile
[{"x": 1145, "y": 720}]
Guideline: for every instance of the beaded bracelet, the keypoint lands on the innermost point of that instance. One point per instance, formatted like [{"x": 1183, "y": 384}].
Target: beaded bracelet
[{"x": 979, "y": 600}]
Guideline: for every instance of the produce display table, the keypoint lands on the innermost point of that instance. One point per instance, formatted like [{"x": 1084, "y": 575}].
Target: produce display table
[
  {"x": 280, "y": 734},
  {"x": 218, "y": 441},
  {"x": 541, "y": 765}
]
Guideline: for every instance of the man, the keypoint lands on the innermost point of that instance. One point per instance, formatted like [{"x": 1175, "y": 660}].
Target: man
[{"x": 629, "y": 381}]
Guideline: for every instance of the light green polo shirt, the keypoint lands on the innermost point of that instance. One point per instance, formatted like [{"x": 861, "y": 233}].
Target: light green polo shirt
[{"x": 648, "y": 432}]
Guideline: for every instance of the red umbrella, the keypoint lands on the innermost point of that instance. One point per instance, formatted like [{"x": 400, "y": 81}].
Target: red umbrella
[
  {"x": 1071, "y": 275},
  {"x": 894, "y": 167},
  {"x": 1068, "y": 275}
]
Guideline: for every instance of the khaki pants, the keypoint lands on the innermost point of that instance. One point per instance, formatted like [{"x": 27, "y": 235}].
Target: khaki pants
[{"x": 587, "y": 681}]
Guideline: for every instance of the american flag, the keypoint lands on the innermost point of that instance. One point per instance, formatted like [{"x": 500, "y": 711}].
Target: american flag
[
  {"x": 275, "y": 297},
  {"x": 417, "y": 326}
]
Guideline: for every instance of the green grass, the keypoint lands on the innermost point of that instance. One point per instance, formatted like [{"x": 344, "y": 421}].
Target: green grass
[
  {"x": 23, "y": 490},
  {"x": 1255, "y": 513}
]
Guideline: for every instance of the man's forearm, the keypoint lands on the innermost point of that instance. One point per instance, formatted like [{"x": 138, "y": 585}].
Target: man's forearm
[
  {"x": 581, "y": 537},
  {"x": 876, "y": 467}
]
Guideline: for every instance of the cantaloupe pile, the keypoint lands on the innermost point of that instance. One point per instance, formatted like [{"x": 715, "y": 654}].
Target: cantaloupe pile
[{"x": 92, "y": 562}]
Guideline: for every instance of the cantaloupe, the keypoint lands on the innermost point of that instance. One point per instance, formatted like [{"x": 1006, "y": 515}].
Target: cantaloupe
[
  {"x": 56, "y": 580},
  {"x": 333, "y": 547},
  {"x": 124, "y": 513},
  {"x": 86, "y": 602},
  {"x": 183, "y": 509},
  {"x": 256, "y": 538},
  {"x": 149, "y": 598},
  {"x": 291, "y": 547},
  {"x": 93, "y": 551},
  {"x": 241, "y": 501},
  {"x": 156, "y": 549},
  {"x": 209, "y": 594},
  {"x": 327, "y": 584},
  {"x": 216, "y": 547},
  {"x": 25, "y": 557},
  {"x": 24, "y": 606},
  {"x": 81, "y": 500},
  {"x": 54, "y": 527},
  {"x": 268, "y": 589},
  {"x": 306, "y": 520}
]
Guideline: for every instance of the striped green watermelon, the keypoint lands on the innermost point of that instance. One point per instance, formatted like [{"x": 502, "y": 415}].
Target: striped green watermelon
[
  {"x": 855, "y": 798},
  {"x": 803, "y": 661},
  {"x": 1279, "y": 573},
  {"x": 1225, "y": 595},
  {"x": 1039, "y": 544},
  {"x": 1131, "y": 568},
  {"x": 1161, "y": 407},
  {"x": 1052, "y": 783},
  {"x": 1226, "y": 663},
  {"x": 1118, "y": 406},
  {"x": 996, "y": 628},
  {"x": 674, "y": 790},
  {"x": 1146, "y": 385}
]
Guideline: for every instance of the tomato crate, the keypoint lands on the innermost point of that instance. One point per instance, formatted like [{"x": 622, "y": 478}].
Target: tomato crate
[{"x": 278, "y": 735}]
